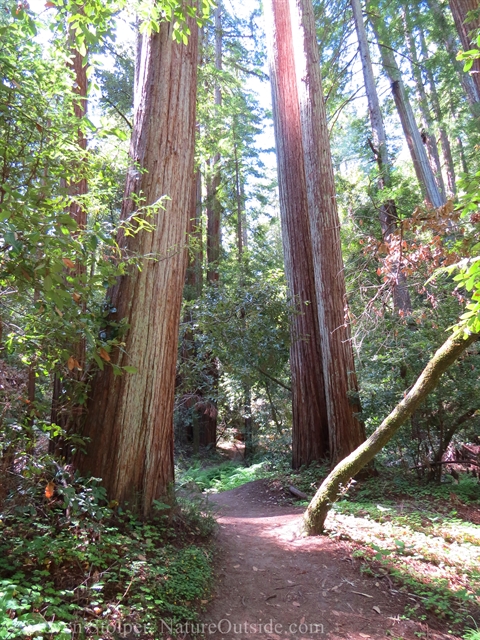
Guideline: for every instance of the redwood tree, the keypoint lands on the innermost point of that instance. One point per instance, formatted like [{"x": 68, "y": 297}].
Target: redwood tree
[
  {"x": 300, "y": 105},
  {"x": 387, "y": 211},
  {"x": 466, "y": 14},
  {"x": 412, "y": 134},
  {"x": 310, "y": 425},
  {"x": 130, "y": 418}
]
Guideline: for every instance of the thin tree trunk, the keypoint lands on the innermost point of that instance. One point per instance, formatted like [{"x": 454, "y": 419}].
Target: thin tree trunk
[
  {"x": 214, "y": 208},
  {"x": 341, "y": 389},
  {"x": 338, "y": 480},
  {"x": 248, "y": 424},
  {"x": 428, "y": 133},
  {"x": 73, "y": 413},
  {"x": 449, "y": 167},
  {"x": 463, "y": 157},
  {"x": 130, "y": 422},
  {"x": 387, "y": 213},
  {"x": 194, "y": 275},
  {"x": 214, "y": 218},
  {"x": 419, "y": 157},
  {"x": 467, "y": 22},
  {"x": 239, "y": 196},
  {"x": 469, "y": 87},
  {"x": 310, "y": 440}
]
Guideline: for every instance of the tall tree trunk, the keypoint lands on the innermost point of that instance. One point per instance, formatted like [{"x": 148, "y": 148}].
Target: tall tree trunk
[
  {"x": 469, "y": 87},
  {"x": 214, "y": 208},
  {"x": 214, "y": 218},
  {"x": 310, "y": 441},
  {"x": 331, "y": 488},
  {"x": 194, "y": 275},
  {"x": 419, "y": 157},
  {"x": 65, "y": 409},
  {"x": 467, "y": 21},
  {"x": 463, "y": 157},
  {"x": 387, "y": 213},
  {"x": 240, "y": 202},
  {"x": 306, "y": 124},
  {"x": 449, "y": 167},
  {"x": 428, "y": 133},
  {"x": 130, "y": 423}
]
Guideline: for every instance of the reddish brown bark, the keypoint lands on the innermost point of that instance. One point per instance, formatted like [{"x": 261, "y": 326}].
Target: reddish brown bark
[
  {"x": 471, "y": 90},
  {"x": 341, "y": 389},
  {"x": 466, "y": 15},
  {"x": 307, "y": 189},
  {"x": 310, "y": 440},
  {"x": 130, "y": 420}
]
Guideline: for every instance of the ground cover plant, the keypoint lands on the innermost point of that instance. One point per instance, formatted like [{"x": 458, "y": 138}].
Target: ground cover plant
[
  {"x": 423, "y": 537},
  {"x": 74, "y": 566}
]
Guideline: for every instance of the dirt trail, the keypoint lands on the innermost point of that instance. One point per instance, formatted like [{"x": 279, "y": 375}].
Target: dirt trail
[{"x": 273, "y": 584}]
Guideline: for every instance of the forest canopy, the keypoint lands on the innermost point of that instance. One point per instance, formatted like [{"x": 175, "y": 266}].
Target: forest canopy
[{"x": 227, "y": 231}]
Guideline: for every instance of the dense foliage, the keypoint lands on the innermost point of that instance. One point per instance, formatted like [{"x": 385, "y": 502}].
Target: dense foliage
[{"x": 69, "y": 556}]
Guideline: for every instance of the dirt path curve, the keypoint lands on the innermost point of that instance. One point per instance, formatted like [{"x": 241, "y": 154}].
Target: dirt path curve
[{"x": 274, "y": 585}]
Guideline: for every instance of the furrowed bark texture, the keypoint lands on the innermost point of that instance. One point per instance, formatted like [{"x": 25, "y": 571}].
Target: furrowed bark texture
[
  {"x": 131, "y": 416},
  {"x": 470, "y": 88},
  {"x": 341, "y": 389},
  {"x": 310, "y": 439},
  {"x": 387, "y": 213},
  {"x": 418, "y": 154},
  {"x": 466, "y": 23},
  {"x": 331, "y": 487}
]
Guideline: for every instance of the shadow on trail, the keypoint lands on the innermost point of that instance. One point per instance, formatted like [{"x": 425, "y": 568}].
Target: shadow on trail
[{"x": 274, "y": 584}]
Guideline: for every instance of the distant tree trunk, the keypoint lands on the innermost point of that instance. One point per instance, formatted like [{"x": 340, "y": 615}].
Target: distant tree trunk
[
  {"x": 194, "y": 275},
  {"x": 192, "y": 291},
  {"x": 469, "y": 86},
  {"x": 467, "y": 21},
  {"x": 130, "y": 423},
  {"x": 65, "y": 409},
  {"x": 463, "y": 157},
  {"x": 214, "y": 218},
  {"x": 331, "y": 488},
  {"x": 310, "y": 440},
  {"x": 387, "y": 213},
  {"x": 420, "y": 161},
  {"x": 449, "y": 167},
  {"x": 240, "y": 202},
  {"x": 428, "y": 132},
  {"x": 248, "y": 424},
  {"x": 214, "y": 207}
]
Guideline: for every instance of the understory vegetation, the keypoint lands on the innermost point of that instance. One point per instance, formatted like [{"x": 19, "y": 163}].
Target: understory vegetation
[
  {"x": 76, "y": 563},
  {"x": 411, "y": 536},
  {"x": 73, "y": 565}
]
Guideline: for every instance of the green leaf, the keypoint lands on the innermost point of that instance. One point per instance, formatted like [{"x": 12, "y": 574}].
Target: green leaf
[{"x": 130, "y": 369}]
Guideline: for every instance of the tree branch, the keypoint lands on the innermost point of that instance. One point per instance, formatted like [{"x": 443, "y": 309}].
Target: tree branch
[
  {"x": 335, "y": 483},
  {"x": 279, "y": 382}
]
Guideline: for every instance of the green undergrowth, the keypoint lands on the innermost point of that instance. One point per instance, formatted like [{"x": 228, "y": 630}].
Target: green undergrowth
[
  {"x": 73, "y": 567},
  {"x": 423, "y": 537},
  {"x": 221, "y": 477}
]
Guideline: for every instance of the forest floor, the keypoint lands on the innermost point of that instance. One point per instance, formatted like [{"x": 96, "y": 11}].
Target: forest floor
[{"x": 273, "y": 583}]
